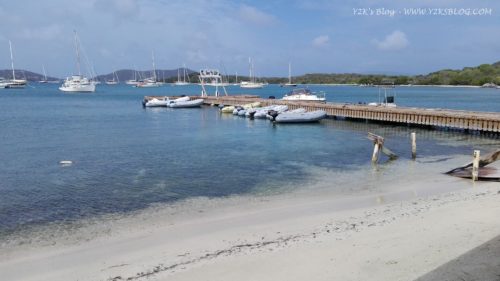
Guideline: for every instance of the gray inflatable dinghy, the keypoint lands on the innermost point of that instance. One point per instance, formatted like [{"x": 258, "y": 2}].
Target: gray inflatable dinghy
[{"x": 300, "y": 117}]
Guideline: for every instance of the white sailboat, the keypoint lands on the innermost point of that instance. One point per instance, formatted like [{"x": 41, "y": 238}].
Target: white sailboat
[
  {"x": 252, "y": 84},
  {"x": 77, "y": 83},
  {"x": 236, "y": 82},
  {"x": 152, "y": 81},
  {"x": 113, "y": 81},
  {"x": 133, "y": 81},
  {"x": 290, "y": 84},
  {"x": 14, "y": 83},
  {"x": 44, "y": 76},
  {"x": 182, "y": 82}
]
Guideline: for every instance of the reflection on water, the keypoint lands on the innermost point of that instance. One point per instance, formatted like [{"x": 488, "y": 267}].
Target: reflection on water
[{"x": 127, "y": 158}]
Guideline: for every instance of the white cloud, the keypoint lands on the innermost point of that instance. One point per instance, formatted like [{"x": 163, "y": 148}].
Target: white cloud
[
  {"x": 255, "y": 16},
  {"x": 321, "y": 41},
  {"x": 395, "y": 41}
]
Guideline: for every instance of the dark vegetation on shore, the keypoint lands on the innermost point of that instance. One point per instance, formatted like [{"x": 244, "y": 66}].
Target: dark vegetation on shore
[{"x": 473, "y": 76}]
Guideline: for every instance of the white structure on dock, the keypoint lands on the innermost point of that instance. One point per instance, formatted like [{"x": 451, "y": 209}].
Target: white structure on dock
[{"x": 211, "y": 77}]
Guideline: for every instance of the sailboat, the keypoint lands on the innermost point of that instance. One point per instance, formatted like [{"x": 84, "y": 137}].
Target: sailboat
[
  {"x": 44, "y": 76},
  {"x": 14, "y": 83},
  {"x": 252, "y": 84},
  {"x": 182, "y": 82},
  {"x": 77, "y": 83},
  {"x": 236, "y": 82},
  {"x": 289, "y": 84},
  {"x": 113, "y": 81},
  {"x": 152, "y": 81},
  {"x": 133, "y": 81}
]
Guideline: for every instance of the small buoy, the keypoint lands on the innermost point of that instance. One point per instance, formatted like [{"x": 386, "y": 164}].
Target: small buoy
[{"x": 65, "y": 162}]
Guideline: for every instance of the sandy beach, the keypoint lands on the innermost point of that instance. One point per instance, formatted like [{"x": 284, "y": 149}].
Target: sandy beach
[{"x": 399, "y": 235}]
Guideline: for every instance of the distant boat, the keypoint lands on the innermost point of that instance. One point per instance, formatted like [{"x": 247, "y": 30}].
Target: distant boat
[
  {"x": 289, "y": 84},
  {"x": 388, "y": 100},
  {"x": 252, "y": 83},
  {"x": 14, "y": 83},
  {"x": 303, "y": 94},
  {"x": 133, "y": 81},
  {"x": 44, "y": 76},
  {"x": 113, "y": 81},
  {"x": 152, "y": 81},
  {"x": 77, "y": 83},
  {"x": 182, "y": 82},
  {"x": 3, "y": 83},
  {"x": 236, "y": 82}
]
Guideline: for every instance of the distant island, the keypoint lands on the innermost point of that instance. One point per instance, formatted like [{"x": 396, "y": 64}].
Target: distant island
[{"x": 468, "y": 76}]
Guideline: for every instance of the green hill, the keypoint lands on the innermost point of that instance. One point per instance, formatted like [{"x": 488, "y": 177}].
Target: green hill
[{"x": 477, "y": 76}]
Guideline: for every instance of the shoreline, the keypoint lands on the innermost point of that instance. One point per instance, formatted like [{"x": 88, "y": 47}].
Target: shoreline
[{"x": 228, "y": 242}]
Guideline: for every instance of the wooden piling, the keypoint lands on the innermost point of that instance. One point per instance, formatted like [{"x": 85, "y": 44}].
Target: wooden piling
[
  {"x": 413, "y": 145},
  {"x": 376, "y": 149},
  {"x": 475, "y": 165}
]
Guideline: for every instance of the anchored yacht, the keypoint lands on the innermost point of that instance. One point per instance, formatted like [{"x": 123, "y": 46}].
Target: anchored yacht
[{"x": 77, "y": 83}]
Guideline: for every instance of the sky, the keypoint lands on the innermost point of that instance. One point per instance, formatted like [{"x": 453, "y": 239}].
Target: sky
[{"x": 323, "y": 36}]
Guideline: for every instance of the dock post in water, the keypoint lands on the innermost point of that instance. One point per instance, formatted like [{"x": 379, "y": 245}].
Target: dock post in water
[
  {"x": 378, "y": 146},
  {"x": 475, "y": 165},
  {"x": 376, "y": 149},
  {"x": 413, "y": 145}
]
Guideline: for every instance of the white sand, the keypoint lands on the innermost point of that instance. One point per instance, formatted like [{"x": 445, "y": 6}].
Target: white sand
[{"x": 295, "y": 238}]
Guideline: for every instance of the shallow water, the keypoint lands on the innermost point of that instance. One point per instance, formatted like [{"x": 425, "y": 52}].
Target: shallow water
[{"x": 126, "y": 158}]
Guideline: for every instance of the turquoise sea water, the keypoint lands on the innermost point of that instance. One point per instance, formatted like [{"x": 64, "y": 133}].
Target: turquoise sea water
[{"x": 126, "y": 158}]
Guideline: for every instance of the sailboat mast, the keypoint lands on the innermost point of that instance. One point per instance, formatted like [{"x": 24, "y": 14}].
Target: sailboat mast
[
  {"x": 289, "y": 73},
  {"x": 184, "y": 72},
  {"x": 12, "y": 62},
  {"x": 154, "y": 69},
  {"x": 77, "y": 50},
  {"x": 44, "y": 73},
  {"x": 250, "y": 63}
]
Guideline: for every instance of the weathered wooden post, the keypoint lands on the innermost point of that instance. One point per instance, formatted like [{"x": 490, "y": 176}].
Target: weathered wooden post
[
  {"x": 413, "y": 145},
  {"x": 378, "y": 146},
  {"x": 376, "y": 149},
  {"x": 475, "y": 165}
]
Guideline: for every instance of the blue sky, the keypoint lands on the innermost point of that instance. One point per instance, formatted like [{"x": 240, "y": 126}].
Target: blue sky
[{"x": 316, "y": 36}]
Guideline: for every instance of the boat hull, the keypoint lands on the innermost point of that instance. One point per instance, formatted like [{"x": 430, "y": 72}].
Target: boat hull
[
  {"x": 227, "y": 109},
  {"x": 78, "y": 89},
  {"x": 186, "y": 104},
  {"x": 306, "y": 117}
]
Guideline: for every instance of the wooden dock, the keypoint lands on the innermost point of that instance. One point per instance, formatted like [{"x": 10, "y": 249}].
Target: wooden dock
[{"x": 447, "y": 118}]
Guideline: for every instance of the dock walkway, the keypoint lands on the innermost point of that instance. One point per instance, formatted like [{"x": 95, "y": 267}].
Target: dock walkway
[{"x": 458, "y": 119}]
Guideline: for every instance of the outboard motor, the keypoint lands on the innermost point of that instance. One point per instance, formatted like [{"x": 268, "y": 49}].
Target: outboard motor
[
  {"x": 144, "y": 103},
  {"x": 273, "y": 114},
  {"x": 252, "y": 114},
  {"x": 221, "y": 106}
]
